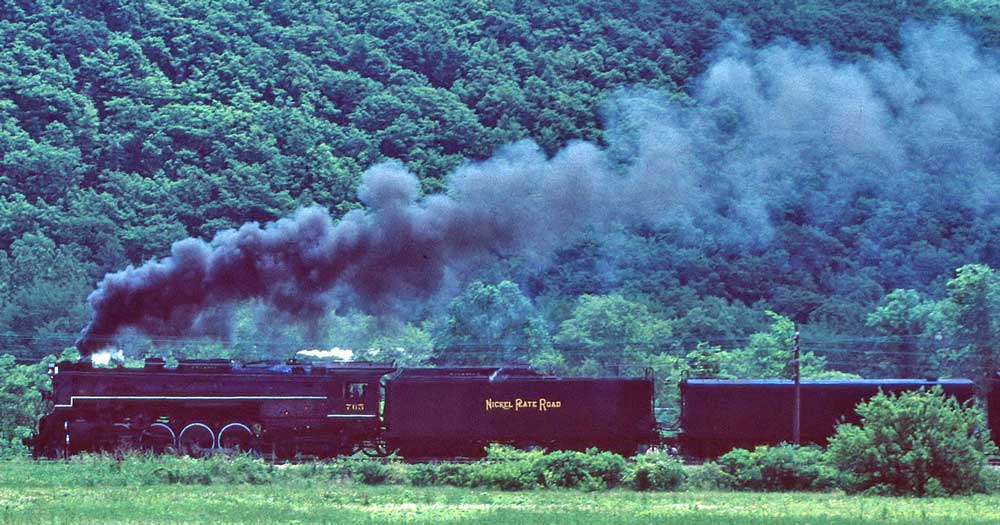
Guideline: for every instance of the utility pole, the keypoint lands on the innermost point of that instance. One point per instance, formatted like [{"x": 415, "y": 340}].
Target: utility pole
[{"x": 797, "y": 409}]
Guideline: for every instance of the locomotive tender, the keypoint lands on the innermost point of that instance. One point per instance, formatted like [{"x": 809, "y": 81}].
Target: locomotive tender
[
  {"x": 281, "y": 410},
  {"x": 458, "y": 411}
]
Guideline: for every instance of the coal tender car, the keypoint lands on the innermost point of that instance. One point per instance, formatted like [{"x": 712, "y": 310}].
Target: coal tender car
[
  {"x": 457, "y": 411},
  {"x": 719, "y": 415},
  {"x": 275, "y": 408}
]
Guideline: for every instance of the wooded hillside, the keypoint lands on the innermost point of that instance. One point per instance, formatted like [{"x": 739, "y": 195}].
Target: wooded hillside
[{"x": 832, "y": 163}]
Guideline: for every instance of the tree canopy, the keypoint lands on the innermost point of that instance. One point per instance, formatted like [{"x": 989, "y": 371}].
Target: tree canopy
[{"x": 128, "y": 126}]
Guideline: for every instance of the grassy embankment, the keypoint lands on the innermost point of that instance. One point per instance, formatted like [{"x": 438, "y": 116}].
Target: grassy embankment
[{"x": 100, "y": 493}]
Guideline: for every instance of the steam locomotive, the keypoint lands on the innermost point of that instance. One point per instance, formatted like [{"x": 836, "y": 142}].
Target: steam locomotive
[
  {"x": 283, "y": 410},
  {"x": 289, "y": 409}
]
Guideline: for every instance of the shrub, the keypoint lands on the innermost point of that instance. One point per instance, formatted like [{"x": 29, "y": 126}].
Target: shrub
[
  {"x": 142, "y": 469},
  {"x": 21, "y": 402},
  {"x": 504, "y": 475},
  {"x": 313, "y": 469},
  {"x": 789, "y": 467},
  {"x": 783, "y": 467},
  {"x": 607, "y": 467},
  {"x": 184, "y": 471},
  {"x": 370, "y": 471},
  {"x": 242, "y": 468},
  {"x": 564, "y": 469},
  {"x": 512, "y": 469},
  {"x": 655, "y": 471},
  {"x": 505, "y": 468},
  {"x": 740, "y": 470},
  {"x": 916, "y": 443},
  {"x": 454, "y": 474},
  {"x": 220, "y": 469},
  {"x": 589, "y": 470},
  {"x": 498, "y": 452},
  {"x": 423, "y": 475},
  {"x": 991, "y": 480},
  {"x": 707, "y": 476},
  {"x": 430, "y": 474}
]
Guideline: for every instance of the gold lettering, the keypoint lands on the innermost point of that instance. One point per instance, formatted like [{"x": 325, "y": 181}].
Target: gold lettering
[
  {"x": 498, "y": 405},
  {"x": 541, "y": 404},
  {"x": 524, "y": 403}
]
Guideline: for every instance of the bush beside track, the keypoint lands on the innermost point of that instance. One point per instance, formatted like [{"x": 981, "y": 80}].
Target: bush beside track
[{"x": 782, "y": 468}]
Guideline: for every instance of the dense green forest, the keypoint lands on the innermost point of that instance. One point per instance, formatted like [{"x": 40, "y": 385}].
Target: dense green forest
[{"x": 830, "y": 163}]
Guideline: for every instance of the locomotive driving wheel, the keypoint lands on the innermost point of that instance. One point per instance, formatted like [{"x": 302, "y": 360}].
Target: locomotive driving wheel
[
  {"x": 196, "y": 439},
  {"x": 158, "y": 438},
  {"x": 120, "y": 438},
  {"x": 237, "y": 437}
]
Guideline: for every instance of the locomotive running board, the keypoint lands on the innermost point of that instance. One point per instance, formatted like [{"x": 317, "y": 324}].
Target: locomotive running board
[{"x": 73, "y": 399}]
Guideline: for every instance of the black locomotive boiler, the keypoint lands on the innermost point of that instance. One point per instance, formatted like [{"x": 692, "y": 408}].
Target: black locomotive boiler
[{"x": 280, "y": 409}]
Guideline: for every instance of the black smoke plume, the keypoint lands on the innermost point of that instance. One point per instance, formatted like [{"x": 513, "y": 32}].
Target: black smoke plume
[
  {"x": 399, "y": 248},
  {"x": 766, "y": 131}
]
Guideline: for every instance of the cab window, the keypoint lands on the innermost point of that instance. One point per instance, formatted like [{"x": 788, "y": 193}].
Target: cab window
[{"x": 355, "y": 390}]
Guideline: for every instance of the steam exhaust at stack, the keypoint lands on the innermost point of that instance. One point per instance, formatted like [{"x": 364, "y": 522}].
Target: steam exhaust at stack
[{"x": 401, "y": 247}]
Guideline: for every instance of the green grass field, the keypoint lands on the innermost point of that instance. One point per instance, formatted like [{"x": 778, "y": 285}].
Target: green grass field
[{"x": 53, "y": 493}]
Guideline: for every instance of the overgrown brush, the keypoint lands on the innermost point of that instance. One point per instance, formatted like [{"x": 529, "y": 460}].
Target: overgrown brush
[
  {"x": 915, "y": 443},
  {"x": 143, "y": 469},
  {"x": 589, "y": 470},
  {"x": 990, "y": 480},
  {"x": 506, "y": 468},
  {"x": 369, "y": 471},
  {"x": 655, "y": 471},
  {"x": 779, "y": 468}
]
